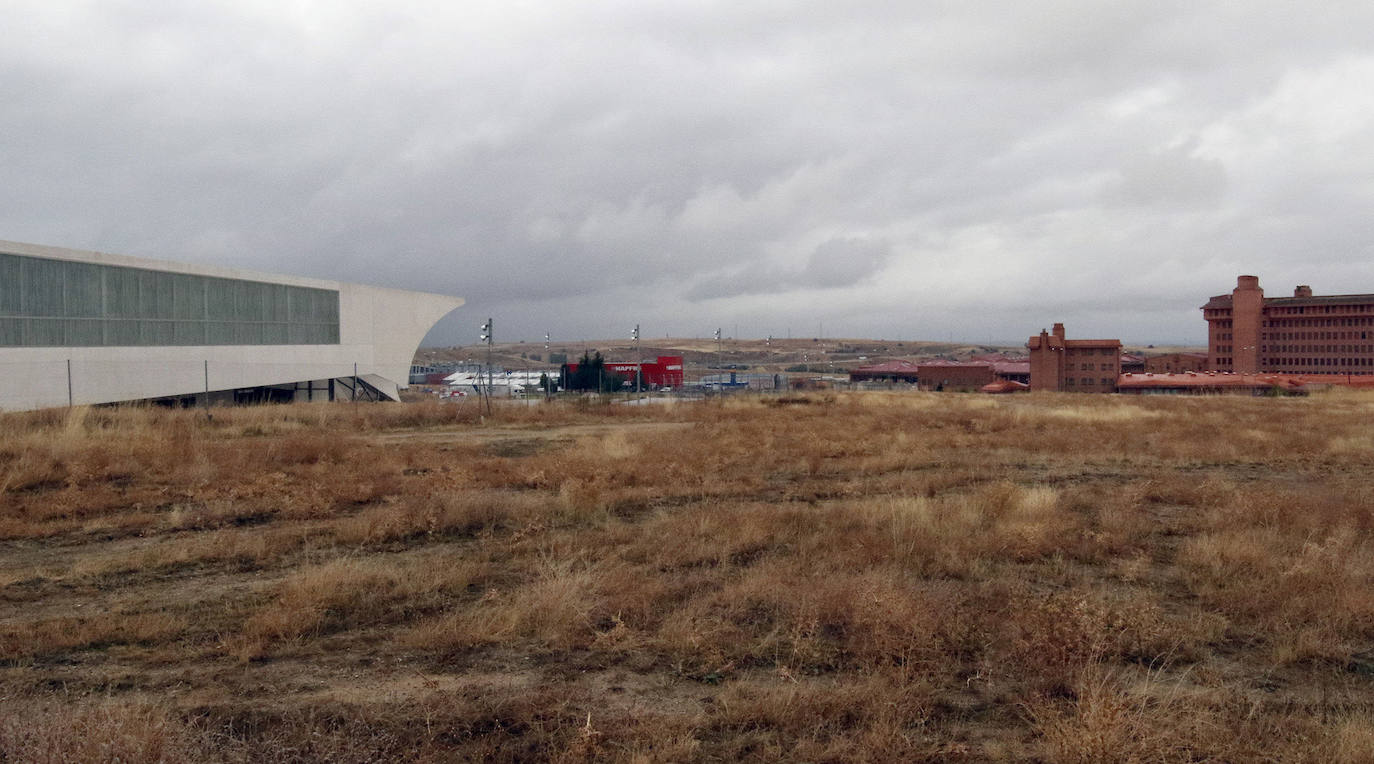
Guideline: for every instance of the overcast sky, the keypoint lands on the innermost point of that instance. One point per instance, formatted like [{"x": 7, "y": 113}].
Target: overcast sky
[{"x": 904, "y": 170}]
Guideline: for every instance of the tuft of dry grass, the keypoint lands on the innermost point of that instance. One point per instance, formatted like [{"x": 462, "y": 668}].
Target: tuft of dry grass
[
  {"x": 27, "y": 640},
  {"x": 48, "y": 732}
]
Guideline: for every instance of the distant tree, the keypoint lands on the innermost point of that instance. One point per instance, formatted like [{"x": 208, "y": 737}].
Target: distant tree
[{"x": 591, "y": 374}]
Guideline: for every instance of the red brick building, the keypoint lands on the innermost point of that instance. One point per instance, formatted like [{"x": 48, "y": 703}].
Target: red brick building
[
  {"x": 954, "y": 375},
  {"x": 1132, "y": 363},
  {"x": 1249, "y": 333},
  {"x": 1174, "y": 363},
  {"x": 891, "y": 371},
  {"x": 1084, "y": 366},
  {"x": 970, "y": 375},
  {"x": 1211, "y": 383}
]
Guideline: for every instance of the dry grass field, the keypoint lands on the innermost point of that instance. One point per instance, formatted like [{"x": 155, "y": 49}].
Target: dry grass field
[{"x": 861, "y": 577}]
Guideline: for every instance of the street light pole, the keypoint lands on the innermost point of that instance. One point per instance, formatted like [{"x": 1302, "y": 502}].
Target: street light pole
[
  {"x": 639, "y": 362},
  {"x": 487, "y": 338},
  {"x": 718, "y": 361}
]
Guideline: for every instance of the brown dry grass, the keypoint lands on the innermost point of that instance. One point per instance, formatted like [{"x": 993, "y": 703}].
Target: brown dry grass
[{"x": 868, "y": 577}]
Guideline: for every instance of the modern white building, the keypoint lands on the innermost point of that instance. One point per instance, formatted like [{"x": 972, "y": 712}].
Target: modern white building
[
  {"x": 88, "y": 327},
  {"x": 501, "y": 384}
]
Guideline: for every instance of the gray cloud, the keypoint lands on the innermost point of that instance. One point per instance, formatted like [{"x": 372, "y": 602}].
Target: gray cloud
[
  {"x": 908, "y": 170},
  {"x": 1174, "y": 177},
  {"x": 833, "y": 264}
]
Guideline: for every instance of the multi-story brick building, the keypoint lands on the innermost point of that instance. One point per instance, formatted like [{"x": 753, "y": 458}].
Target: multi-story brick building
[
  {"x": 1304, "y": 334},
  {"x": 1085, "y": 366}
]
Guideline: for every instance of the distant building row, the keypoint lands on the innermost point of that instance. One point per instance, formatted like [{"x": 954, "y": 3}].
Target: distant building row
[
  {"x": 941, "y": 374},
  {"x": 1254, "y": 343}
]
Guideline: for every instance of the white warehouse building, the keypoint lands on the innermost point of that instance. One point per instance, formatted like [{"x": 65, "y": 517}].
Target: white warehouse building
[{"x": 88, "y": 327}]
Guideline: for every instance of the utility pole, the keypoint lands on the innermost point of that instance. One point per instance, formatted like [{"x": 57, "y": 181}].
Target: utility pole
[
  {"x": 639, "y": 362},
  {"x": 548, "y": 385}
]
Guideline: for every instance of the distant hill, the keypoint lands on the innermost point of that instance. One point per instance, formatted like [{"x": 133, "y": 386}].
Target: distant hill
[{"x": 760, "y": 355}]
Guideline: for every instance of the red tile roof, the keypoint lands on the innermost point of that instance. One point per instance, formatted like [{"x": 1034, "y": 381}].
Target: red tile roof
[
  {"x": 889, "y": 367},
  {"x": 1004, "y": 386},
  {"x": 1210, "y": 379}
]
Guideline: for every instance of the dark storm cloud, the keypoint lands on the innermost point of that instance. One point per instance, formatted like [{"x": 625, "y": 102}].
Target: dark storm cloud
[{"x": 893, "y": 169}]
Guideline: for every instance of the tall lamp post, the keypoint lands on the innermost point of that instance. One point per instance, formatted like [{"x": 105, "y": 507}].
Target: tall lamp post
[
  {"x": 548, "y": 384},
  {"x": 487, "y": 338},
  {"x": 718, "y": 361},
  {"x": 639, "y": 362}
]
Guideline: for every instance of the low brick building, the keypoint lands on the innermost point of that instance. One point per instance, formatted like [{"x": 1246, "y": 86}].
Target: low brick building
[
  {"x": 1212, "y": 383},
  {"x": 954, "y": 375},
  {"x": 1084, "y": 366},
  {"x": 1174, "y": 363},
  {"x": 891, "y": 371}
]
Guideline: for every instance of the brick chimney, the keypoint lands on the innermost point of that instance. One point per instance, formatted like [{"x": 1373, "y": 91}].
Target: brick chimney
[
  {"x": 1059, "y": 330},
  {"x": 1303, "y": 290}
]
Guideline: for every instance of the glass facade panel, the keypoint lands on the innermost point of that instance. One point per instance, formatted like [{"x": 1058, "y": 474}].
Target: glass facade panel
[
  {"x": 188, "y": 296},
  {"x": 83, "y": 290},
  {"x": 218, "y": 332},
  {"x": 11, "y": 332},
  {"x": 274, "y": 334},
  {"x": 188, "y": 333},
  {"x": 219, "y": 301},
  {"x": 157, "y": 333},
  {"x": 43, "y": 332},
  {"x": 41, "y": 293},
  {"x": 83, "y": 332},
  {"x": 121, "y": 294},
  {"x": 247, "y": 333},
  {"x": 121, "y": 333},
  {"x": 58, "y": 303},
  {"x": 274, "y": 303},
  {"x": 155, "y": 294},
  {"x": 9, "y": 285}
]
